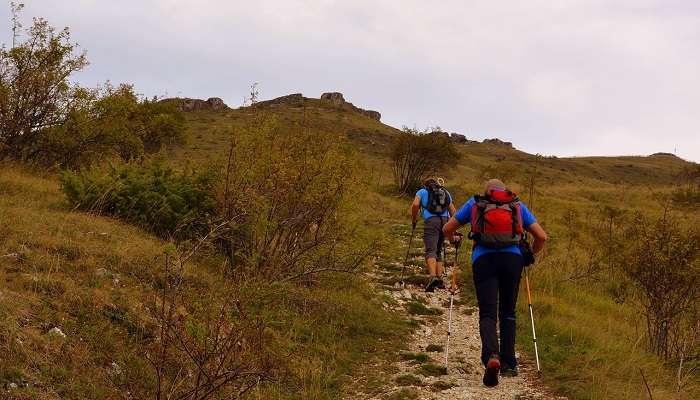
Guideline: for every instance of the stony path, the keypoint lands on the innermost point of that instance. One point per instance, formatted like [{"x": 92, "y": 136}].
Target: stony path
[{"x": 420, "y": 374}]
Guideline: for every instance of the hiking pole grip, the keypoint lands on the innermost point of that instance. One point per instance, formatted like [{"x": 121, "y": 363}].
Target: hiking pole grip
[{"x": 532, "y": 319}]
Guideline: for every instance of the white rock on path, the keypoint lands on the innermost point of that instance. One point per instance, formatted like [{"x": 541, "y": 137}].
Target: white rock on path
[{"x": 56, "y": 332}]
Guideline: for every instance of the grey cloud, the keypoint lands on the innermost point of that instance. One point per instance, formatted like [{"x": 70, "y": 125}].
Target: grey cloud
[{"x": 565, "y": 77}]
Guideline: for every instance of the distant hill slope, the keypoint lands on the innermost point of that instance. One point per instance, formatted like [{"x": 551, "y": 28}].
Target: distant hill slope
[{"x": 210, "y": 131}]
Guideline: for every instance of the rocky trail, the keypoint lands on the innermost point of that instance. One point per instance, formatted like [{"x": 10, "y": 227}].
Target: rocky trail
[{"x": 419, "y": 371}]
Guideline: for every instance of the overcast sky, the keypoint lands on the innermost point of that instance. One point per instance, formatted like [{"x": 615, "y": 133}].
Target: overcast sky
[{"x": 561, "y": 77}]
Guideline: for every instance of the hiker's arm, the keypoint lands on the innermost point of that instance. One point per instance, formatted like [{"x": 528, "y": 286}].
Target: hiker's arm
[
  {"x": 450, "y": 228},
  {"x": 452, "y": 210},
  {"x": 415, "y": 208},
  {"x": 540, "y": 236}
]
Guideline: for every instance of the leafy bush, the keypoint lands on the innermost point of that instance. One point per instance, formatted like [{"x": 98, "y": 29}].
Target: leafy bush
[
  {"x": 112, "y": 122},
  {"x": 152, "y": 195},
  {"x": 408, "y": 380},
  {"x": 47, "y": 120},
  {"x": 686, "y": 196},
  {"x": 432, "y": 370},
  {"x": 296, "y": 199},
  {"x": 416, "y": 308},
  {"x": 663, "y": 262},
  {"x": 418, "y": 154}
]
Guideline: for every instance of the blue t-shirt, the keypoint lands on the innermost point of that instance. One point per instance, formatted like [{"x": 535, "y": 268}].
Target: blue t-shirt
[
  {"x": 464, "y": 216},
  {"x": 423, "y": 194}
]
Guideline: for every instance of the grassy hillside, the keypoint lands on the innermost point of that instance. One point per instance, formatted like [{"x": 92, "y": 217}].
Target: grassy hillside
[
  {"x": 591, "y": 338},
  {"x": 98, "y": 280},
  {"x": 210, "y": 133}
]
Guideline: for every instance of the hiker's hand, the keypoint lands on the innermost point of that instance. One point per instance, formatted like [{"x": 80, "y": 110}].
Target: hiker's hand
[
  {"x": 456, "y": 239},
  {"x": 453, "y": 288},
  {"x": 413, "y": 224}
]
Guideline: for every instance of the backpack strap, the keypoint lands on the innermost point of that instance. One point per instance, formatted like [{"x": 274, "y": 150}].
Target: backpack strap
[
  {"x": 477, "y": 220},
  {"x": 514, "y": 210}
]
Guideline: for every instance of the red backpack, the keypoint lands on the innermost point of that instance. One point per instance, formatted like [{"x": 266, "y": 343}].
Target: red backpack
[{"x": 497, "y": 220}]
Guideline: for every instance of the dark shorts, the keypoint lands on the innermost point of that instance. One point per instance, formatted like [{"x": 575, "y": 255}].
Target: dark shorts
[{"x": 433, "y": 237}]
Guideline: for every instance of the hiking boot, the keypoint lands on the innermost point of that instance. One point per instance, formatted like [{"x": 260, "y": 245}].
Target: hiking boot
[
  {"x": 492, "y": 369},
  {"x": 508, "y": 371},
  {"x": 440, "y": 284},
  {"x": 434, "y": 282}
]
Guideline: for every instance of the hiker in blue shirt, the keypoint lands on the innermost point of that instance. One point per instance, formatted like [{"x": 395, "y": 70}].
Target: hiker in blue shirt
[
  {"x": 436, "y": 205},
  {"x": 497, "y": 219}
]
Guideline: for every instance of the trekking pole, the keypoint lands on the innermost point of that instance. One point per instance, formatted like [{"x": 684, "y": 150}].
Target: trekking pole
[
  {"x": 408, "y": 252},
  {"x": 532, "y": 318},
  {"x": 452, "y": 294}
]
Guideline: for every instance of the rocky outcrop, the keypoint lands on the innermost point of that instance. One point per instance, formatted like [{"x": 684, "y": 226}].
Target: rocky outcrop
[
  {"x": 187, "y": 104},
  {"x": 457, "y": 138},
  {"x": 336, "y": 99},
  {"x": 440, "y": 133},
  {"x": 289, "y": 99},
  {"x": 375, "y": 115},
  {"x": 453, "y": 137},
  {"x": 294, "y": 99},
  {"x": 498, "y": 142}
]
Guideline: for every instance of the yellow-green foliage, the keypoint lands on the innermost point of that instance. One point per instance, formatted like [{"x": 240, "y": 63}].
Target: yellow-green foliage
[
  {"x": 96, "y": 279},
  {"x": 151, "y": 195},
  {"x": 294, "y": 197}
]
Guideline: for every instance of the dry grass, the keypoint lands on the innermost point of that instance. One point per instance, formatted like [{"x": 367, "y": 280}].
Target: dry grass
[
  {"x": 96, "y": 279},
  {"x": 93, "y": 277}
]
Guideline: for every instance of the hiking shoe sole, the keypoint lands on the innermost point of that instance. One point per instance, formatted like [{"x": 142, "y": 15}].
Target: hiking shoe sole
[{"x": 491, "y": 374}]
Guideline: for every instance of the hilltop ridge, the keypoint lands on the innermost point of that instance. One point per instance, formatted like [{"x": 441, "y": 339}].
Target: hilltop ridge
[{"x": 209, "y": 127}]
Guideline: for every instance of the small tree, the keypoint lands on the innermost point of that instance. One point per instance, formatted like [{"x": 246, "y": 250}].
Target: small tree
[
  {"x": 113, "y": 122},
  {"x": 291, "y": 199},
  {"x": 34, "y": 89},
  {"x": 417, "y": 154},
  {"x": 211, "y": 349},
  {"x": 687, "y": 193},
  {"x": 663, "y": 261}
]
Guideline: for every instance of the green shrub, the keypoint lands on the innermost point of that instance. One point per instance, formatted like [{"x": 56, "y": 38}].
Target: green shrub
[
  {"x": 686, "y": 196},
  {"x": 409, "y": 380},
  {"x": 403, "y": 394},
  {"x": 431, "y": 370},
  {"x": 300, "y": 202},
  {"x": 417, "y": 308},
  {"x": 113, "y": 122},
  {"x": 436, "y": 348},
  {"x": 417, "y": 154},
  {"x": 48, "y": 120},
  {"x": 416, "y": 357},
  {"x": 153, "y": 196},
  {"x": 439, "y": 386}
]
